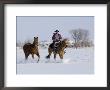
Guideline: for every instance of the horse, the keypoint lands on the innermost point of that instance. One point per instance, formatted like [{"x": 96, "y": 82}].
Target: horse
[
  {"x": 59, "y": 50},
  {"x": 32, "y": 49}
]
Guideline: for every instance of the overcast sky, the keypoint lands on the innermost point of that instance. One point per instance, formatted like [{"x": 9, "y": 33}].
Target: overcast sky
[{"x": 44, "y": 26}]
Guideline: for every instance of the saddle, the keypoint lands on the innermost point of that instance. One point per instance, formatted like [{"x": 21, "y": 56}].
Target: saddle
[{"x": 54, "y": 46}]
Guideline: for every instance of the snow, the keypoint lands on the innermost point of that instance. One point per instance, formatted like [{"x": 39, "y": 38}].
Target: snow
[{"x": 76, "y": 61}]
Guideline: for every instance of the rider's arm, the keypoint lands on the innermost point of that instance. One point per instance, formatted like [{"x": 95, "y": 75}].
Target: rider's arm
[
  {"x": 53, "y": 37},
  {"x": 60, "y": 37}
]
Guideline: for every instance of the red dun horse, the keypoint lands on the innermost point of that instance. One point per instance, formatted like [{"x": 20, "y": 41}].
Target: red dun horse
[
  {"x": 60, "y": 49},
  {"x": 32, "y": 49}
]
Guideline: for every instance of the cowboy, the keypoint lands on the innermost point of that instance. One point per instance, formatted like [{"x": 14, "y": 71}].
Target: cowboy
[{"x": 56, "y": 38}]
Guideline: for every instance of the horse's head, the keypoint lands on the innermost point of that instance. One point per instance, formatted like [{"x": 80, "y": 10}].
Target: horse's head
[
  {"x": 35, "y": 40},
  {"x": 65, "y": 42}
]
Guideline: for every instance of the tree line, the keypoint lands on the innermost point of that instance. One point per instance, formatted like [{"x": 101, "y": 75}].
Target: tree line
[{"x": 80, "y": 38}]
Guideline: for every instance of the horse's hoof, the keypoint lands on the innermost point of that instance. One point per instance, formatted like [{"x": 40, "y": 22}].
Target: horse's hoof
[
  {"x": 48, "y": 57},
  {"x": 37, "y": 61}
]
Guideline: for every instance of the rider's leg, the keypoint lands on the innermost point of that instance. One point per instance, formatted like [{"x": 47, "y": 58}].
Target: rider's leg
[{"x": 54, "y": 46}]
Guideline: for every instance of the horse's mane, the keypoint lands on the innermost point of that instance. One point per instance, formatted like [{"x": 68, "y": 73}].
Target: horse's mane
[
  {"x": 65, "y": 39},
  {"x": 63, "y": 43}
]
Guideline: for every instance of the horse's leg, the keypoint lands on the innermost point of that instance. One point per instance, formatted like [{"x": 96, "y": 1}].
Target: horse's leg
[
  {"x": 26, "y": 55},
  {"x": 55, "y": 56},
  {"x": 33, "y": 55},
  {"x": 38, "y": 56},
  {"x": 61, "y": 57},
  {"x": 61, "y": 54},
  {"x": 50, "y": 52}
]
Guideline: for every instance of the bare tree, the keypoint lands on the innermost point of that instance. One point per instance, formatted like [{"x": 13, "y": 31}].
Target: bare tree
[{"x": 80, "y": 37}]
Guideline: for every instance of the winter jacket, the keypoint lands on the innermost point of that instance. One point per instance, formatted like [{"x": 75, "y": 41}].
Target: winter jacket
[{"x": 56, "y": 37}]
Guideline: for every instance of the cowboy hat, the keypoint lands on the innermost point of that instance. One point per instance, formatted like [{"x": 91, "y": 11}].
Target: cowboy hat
[{"x": 56, "y": 31}]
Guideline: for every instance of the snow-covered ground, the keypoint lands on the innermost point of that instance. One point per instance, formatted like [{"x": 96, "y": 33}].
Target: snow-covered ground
[{"x": 76, "y": 61}]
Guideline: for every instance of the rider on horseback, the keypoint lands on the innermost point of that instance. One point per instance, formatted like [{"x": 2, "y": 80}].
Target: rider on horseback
[{"x": 56, "y": 39}]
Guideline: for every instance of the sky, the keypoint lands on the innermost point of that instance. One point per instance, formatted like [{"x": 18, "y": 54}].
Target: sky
[{"x": 29, "y": 27}]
